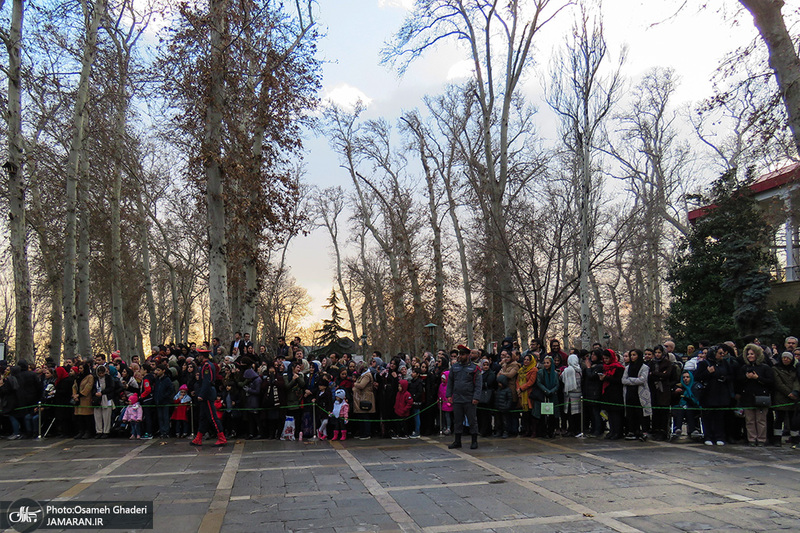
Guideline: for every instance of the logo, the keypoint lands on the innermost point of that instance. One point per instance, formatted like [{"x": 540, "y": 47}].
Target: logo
[{"x": 25, "y": 515}]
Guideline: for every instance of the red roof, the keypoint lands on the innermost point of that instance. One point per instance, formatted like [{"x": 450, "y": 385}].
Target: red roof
[{"x": 772, "y": 180}]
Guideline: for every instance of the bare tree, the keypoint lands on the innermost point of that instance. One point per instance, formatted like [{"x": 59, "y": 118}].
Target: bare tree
[
  {"x": 583, "y": 98},
  {"x": 783, "y": 57},
  {"x": 499, "y": 37},
  {"x": 93, "y": 14},
  {"x": 329, "y": 203},
  {"x": 18, "y": 229},
  {"x": 654, "y": 164}
]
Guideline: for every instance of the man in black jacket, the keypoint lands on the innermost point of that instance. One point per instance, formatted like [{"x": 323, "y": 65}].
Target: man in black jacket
[
  {"x": 464, "y": 391},
  {"x": 28, "y": 393},
  {"x": 205, "y": 398}
]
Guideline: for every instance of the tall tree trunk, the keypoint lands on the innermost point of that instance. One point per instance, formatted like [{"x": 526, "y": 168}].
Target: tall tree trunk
[
  {"x": 18, "y": 229},
  {"x": 83, "y": 258},
  {"x": 783, "y": 57},
  {"x": 144, "y": 242},
  {"x": 119, "y": 326},
  {"x": 56, "y": 317},
  {"x": 212, "y": 153},
  {"x": 176, "y": 312},
  {"x": 601, "y": 317},
  {"x": 77, "y": 149},
  {"x": 469, "y": 311}
]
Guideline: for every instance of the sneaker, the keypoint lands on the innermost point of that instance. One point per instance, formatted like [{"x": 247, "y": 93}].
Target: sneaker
[
  {"x": 630, "y": 436},
  {"x": 415, "y": 435},
  {"x": 447, "y": 431},
  {"x": 147, "y": 436},
  {"x": 708, "y": 443},
  {"x": 720, "y": 443},
  {"x": 643, "y": 437},
  {"x": 696, "y": 434},
  {"x": 364, "y": 437},
  {"x": 677, "y": 433},
  {"x": 403, "y": 437}
]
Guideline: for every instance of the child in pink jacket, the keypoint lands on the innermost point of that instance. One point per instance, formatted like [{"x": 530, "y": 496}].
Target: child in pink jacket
[
  {"x": 338, "y": 418},
  {"x": 447, "y": 407},
  {"x": 133, "y": 416}
]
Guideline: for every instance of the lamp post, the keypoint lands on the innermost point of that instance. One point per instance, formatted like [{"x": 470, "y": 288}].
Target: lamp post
[
  {"x": 364, "y": 347},
  {"x": 432, "y": 335}
]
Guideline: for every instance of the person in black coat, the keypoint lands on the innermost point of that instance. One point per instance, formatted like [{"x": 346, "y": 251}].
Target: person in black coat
[
  {"x": 389, "y": 382},
  {"x": 28, "y": 395},
  {"x": 756, "y": 379},
  {"x": 717, "y": 375},
  {"x": 592, "y": 390},
  {"x": 273, "y": 397},
  {"x": 611, "y": 393},
  {"x": 485, "y": 407}
]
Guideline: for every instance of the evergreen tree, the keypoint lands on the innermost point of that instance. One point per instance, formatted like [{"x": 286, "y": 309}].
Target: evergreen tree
[
  {"x": 330, "y": 330},
  {"x": 720, "y": 277}
]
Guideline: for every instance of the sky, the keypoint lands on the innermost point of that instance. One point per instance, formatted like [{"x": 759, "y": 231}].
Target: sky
[{"x": 692, "y": 41}]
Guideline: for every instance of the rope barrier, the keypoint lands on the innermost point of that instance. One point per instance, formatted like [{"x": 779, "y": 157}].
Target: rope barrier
[{"x": 699, "y": 408}]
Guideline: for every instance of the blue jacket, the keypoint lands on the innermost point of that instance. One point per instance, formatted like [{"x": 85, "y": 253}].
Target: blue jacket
[{"x": 208, "y": 377}]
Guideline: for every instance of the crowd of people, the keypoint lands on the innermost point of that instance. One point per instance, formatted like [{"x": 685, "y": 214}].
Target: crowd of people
[{"x": 719, "y": 393}]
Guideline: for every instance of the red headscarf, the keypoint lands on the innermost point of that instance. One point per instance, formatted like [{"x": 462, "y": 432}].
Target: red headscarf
[
  {"x": 609, "y": 369},
  {"x": 61, "y": 373}
]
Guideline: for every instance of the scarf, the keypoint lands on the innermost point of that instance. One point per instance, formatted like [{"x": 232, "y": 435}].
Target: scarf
[
  {"x": 522, "y": 378},
  {"x": 549, "y": 377},
  {"x": 570, "y": 373},
  {"x": 688, "y": 398},
  {"x": 337, "y": 407},
  {"x": 61, "y": 373},
  {"x": 609, "y": 369}
]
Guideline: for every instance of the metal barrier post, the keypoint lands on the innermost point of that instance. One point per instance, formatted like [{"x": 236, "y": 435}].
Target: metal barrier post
[
  {"x": 583, "y": 418},
  {"x": 314, "y": 420},
  {"x": 40, "y": 418},
  {"x": 191, "y": 417},
  {"x": 441, "y": 421}
]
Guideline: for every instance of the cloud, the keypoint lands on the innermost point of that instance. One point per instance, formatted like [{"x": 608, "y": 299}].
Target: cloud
[
  {"x": 346, "y": 96},
  {"x": 405, "y": 4},
  {"x": 461, "y": 70}
]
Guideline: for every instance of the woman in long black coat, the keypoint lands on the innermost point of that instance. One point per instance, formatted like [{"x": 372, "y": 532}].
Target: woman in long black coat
[
  {"x": 612, "y": 393},
  {"x": 717, "y": 375}
]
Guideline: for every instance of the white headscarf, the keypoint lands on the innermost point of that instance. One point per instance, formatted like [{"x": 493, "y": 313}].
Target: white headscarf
[{"x": 572, "y": 370}]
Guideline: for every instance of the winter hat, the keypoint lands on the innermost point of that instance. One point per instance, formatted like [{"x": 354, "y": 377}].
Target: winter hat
[
  {"x": 183, "y": 387},
  {"x": 76, "y": 369},
  {"x": 133, "y": 398},
  {"x": 340, "y": 394}
]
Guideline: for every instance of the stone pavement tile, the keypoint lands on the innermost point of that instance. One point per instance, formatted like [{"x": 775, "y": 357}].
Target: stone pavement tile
[
  {"x": 674, "y": 494},
  {"x": 570, "y": 526},
  {"x": 177, "y": 520},
  {"x": 38, "y": 490},
  {"x": 687, "y": 521},
  {"x": 535, "y": 467},
  {"x": 424, "y": 508},
  {"x": 755, "y": 518}
]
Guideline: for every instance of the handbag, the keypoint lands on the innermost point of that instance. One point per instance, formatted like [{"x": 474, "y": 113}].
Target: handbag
[
  {"x": 763, "y": 401},
  {"x": 547, "y": 408},
  {"x": 486, "y": 396},
  {"x": 365, "y": 405}
]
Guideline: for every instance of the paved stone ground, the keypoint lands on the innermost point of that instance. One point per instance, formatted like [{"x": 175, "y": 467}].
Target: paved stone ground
[{"x": 514, "y": 485}]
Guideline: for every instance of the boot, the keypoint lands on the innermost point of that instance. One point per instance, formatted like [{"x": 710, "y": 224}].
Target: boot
[
  {"x": 344, "y": 434},
  {"x": 456, "y": 443},
  {"x": 335, "y": 435},
  {"x": 221, "y": 440},
  {"x": 198, "y": 440},
  {"x": 321, "y": 435},
  {"x": 474, "y": 445}
]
